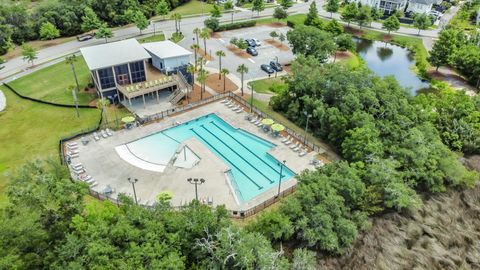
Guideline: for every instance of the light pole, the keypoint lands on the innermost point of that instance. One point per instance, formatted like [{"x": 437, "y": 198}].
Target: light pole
[
  {"x": 133, "y": 181},
  {"x": 276, "y": 61},
  {"x": 196, "y": 182},
  {"x": 251, "y": 97},
  {"x": 280, "y": 177},
  {"x": 306, "y": 126}
]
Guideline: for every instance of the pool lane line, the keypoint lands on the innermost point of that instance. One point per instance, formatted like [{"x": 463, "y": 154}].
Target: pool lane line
[
  {"x": 215, "y": 124},
  {"x": 251, "y": 180},
  {"x": 268, "y": 179}
]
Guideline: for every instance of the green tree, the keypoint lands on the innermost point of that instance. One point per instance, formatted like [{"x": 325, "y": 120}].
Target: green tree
[
  {"x": 334, "y": 27},
  {"x": 273, "y": 225},
  {"x": 258, "y": 5},
  {"x": 364, "y": 16},
  {"x": 332, "y": 6},
  {"x": 279, "y": 13},
  {"x": 104, "y": 32},
  {"x": 304, "y": 259},
  {"x": 195, "y": 49},
  {"x": 449, "y": 41},
  {"x": 197, "y": 32},
  {"x": 162, "y": 8},
  {"x": 421, "y": 22},
  {"x": 377, "y": 13},
  {"x": 212, "y": 23},
  {"x": 71, "y": 60},
  {"x": 350, "y": 12},
  {"x": 29, "y": 53},
  {"x": 312, "y": 14},
  {"x": 228, "y": 6},
  {"x": 48, "y": 31},
  {"x": 286, "y": 4},
  {"x": 205, "y": 34},
  {"x": 202, "y": 78},
  {"x": 90, "y": 20},
  {"x": 391, "y": 24},
  {"x": 274, "y": 34},
  {"x": 220, "y": 54},
  {"x": 467, "y": 61},
  {"x": 140, "y": 21},
  {"x": 308, "y": 40},
  {"x": 224, "y": 72},
  {"x": 5, "y": 38},
  {"x": 242, "y": 69},
  {"x": 215, "y": 12},
  {"x": 177, "y": 17},
  {"x": 282, "y": 37}
]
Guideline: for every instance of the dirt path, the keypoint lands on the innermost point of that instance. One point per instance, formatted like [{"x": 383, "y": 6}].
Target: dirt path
[{"x": 454, "y": 79}]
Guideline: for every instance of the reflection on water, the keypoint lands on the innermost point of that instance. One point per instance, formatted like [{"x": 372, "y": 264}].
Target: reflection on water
[{"x": 386, "y": 59}]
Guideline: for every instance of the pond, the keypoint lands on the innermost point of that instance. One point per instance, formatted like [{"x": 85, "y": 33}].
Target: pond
[{"x": 386, "y": 59}]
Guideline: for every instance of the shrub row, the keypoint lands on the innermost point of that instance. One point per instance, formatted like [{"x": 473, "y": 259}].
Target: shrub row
[{"x": 236, "y": 25}]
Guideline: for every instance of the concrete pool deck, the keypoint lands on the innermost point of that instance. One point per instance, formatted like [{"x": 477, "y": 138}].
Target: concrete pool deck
[{"x": 102, "y": 162}]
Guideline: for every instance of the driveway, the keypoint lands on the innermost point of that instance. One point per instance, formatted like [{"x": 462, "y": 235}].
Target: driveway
[{"x": 266, "y": 52}]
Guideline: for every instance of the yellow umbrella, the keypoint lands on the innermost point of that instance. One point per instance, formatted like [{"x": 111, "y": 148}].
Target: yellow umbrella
[
  {"x": 267, "y": 121},
  {"x": 278, "y": 127},
  {"x": 128, "y": 119}
]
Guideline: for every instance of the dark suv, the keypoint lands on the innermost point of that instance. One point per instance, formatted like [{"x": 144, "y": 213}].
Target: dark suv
[
  {"x": 252, "y": 51},
  {"x": 250, "y": 42},
  {"x": 276, "y": 66},
  {"x": 85, "y": 37}
]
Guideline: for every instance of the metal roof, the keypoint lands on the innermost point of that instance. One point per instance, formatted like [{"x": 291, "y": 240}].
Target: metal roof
[
  {"x": 112, "y": 54},
  {"x": 423, "y": 2},
  {"x": 165, "y": 49}
]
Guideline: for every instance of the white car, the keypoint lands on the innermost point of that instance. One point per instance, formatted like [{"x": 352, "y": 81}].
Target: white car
[{"x": 257, "y": 42}]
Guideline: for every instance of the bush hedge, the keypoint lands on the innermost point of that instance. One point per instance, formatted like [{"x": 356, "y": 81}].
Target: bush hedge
[{"x": 236, "y": 25}]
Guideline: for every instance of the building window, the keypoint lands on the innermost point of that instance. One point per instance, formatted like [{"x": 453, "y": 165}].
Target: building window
[
  {"x": 106, "y": 78},
  {"x": 137, "y": 70},
  {"x": 121, "y": 74}
]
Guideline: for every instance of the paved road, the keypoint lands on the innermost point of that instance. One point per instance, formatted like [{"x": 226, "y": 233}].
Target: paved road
[{"x": 18, "y": 67}]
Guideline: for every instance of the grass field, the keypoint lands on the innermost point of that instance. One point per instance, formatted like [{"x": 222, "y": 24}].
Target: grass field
[
  {"x": 158, "y": 37},
  {"x": 30, "y": 130},
  {"x": 268, "y": 85},
  {"x": 51, "y": 83},
  {"x": 193, "y": 7}
]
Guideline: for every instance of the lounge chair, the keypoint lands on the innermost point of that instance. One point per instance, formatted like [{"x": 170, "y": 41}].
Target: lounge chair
[
  {"x": 259, "y": 123},
  {"x": 231, "y": 105},
  {"x": 86, "y": 178},
  {"x": 109, "y": 132},
  {"x": 72, "y": 144},
  {"x": 93, "y": 184},
  {"x": 294, "y": 145},
  {"x": 285, "y": 139},
  {"x": 240, "y": 110},
  {"x": 296, "y": 149},
  {"x": 73, "y": 152},
  {"x": 302, "y": 153},
  {"x": 73, "y": 155},
  {"x": 253, "y": 120},
  {"x": 79, "y": 171},
  {"x": 76, "y": 166},
  {"x": 95, "y": 136},
  {"x": 104, "y": 134},
  {"x": 225, "y": 100}
]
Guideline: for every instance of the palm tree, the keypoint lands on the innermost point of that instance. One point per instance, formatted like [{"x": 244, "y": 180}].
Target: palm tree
[
  {"x": 242, "y": 69},
  {"x": 202, "y": 78},
  {"x": 70, "y": 60},
  {"x": 191, "y": 69},
  {"x": 197, "y": 31},
  {"x": 202, "y": 61},
  {"x": 102, "y": 103},
  {"x": 224, "y": 72},
  {"x": 177, "y": 17},
  {"x": 195, "y": 48},
  {"x": 220, "y": 54},
  {"x": 205, "y": 34}
]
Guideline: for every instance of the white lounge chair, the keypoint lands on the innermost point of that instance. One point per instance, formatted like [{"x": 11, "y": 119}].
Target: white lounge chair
[
  {"x": 73, "y": 155},
  {"x": 86, "y": 178},
  {"x": 225, "y": 100},
  {"x": 296, "y": 149},
  {"x": 231, "y": 105},
  {"x": 259, "y": 123},
  {"x": 109, "y": 132},
  {"x": 104, "y": 134},
  {"x": 95, "y": 136},
  {"x": 294, "y": 145},
  {"x": 76, "y": 166},
  {"x": 240, "y": 110},
  {"x": 303, "y": 153},
  {"x": 72, "y": 144},
  {"x": 255, "y": 119},
  {"x": 79, "y": 171},
  {"x": 72, "y": 147},
  {"x": 285, "y": 139},
  {"x": 93, "y": 184}
]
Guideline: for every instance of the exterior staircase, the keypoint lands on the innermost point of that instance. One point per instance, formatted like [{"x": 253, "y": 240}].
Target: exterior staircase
[{"x": 181, "y": 91}]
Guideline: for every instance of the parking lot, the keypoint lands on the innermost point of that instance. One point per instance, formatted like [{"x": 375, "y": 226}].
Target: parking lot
[{"x": 266, "y": 52}]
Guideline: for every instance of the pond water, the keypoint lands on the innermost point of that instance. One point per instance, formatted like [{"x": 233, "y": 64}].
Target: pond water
[{"x": 386, "y": 59}]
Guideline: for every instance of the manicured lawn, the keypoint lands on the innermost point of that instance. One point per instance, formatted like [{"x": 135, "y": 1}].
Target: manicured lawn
[
  {"x": 32, "y": 130},
  {"x": 157, "y": 37},
  {"x": 193, "y": 7},
  {"x": 176, "y": 37},
  {"x": 268, "y": 85},
  {"x": 51, "y": 83},
  {"x": 353, "y": 60}
]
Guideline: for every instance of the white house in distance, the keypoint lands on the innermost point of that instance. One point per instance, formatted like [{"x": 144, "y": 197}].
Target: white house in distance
[
  {"x": 389, "y": 6},
  {"x": 127, "y": 70}
]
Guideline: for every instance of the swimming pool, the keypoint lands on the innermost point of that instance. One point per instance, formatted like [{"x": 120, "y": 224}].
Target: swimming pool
[{"x": 252, "y": 169}]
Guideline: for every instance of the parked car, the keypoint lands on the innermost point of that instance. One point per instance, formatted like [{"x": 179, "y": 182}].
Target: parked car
[
  {"x": 276, "y": 66},
  {"x": 85, "y": 37},
  {"x": 250, "y": 42},
  {"x": 267, "y": 68},
  {"x": 252, "y": 51},
  {"x": 257, "y": 42}
]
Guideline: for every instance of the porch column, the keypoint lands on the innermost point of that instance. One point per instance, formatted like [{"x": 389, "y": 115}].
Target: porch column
[
  {"x": 130, "y": 101},
  {"x": 158, "y": 98},
  {"x": 143, "y": 97}
]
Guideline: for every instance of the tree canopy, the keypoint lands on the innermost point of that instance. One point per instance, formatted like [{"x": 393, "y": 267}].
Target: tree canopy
[
  {"x": 391, "y": 24},
  {"x": 311, "y": 41}
]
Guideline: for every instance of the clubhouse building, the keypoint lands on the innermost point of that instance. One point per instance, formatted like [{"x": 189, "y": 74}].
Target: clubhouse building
[{"x": 139, "y": 74}]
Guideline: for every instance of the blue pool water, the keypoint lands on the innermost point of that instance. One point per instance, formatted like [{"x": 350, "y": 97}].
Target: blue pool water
[{"x": 252, "y": 169}]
